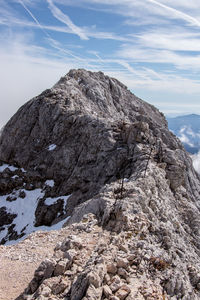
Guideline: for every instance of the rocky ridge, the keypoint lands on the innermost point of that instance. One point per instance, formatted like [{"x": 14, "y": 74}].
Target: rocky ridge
[
  {"x": 135, "y": 197},
  {"x": 77, "y": 134}
]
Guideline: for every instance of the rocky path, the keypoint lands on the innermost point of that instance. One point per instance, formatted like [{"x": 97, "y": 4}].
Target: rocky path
[{"x": 18, "y": 262}]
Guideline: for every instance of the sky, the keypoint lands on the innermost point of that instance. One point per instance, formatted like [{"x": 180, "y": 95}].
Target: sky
[{"x": 152, "y": 46}]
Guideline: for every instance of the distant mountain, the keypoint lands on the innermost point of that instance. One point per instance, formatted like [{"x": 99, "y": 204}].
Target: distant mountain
[{"x": 187, "y": 128}]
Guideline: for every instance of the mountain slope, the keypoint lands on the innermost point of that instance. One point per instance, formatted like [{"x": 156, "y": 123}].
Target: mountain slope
[
  {"x": 134, "y": 197},
  {"x": 74, "y": 135}
]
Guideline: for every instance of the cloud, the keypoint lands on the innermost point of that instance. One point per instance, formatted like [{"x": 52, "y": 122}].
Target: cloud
[
  {"x": 143, "y": 54},
  {"x": 33, "y": 17},
  {"x": 175, "y": 40},
  {"x": 175, "y": 13},
  {"x": 183, "y": 136},
  {"x": 158, "y": 60},
  {"x": 196, "y": 161},
  {"x": 26, "y": 70},
  {"x": 54, "y": 43},
  {"x": 7, "y": 18},
  {"x": 58, "y": 14},
  {"x": 176, "y": 9}
]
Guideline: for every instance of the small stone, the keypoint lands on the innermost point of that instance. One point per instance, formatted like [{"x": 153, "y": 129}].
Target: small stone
[
  {"x": 41, "y": 297},
  {"x": 71, "y": 255},
  {"x": 46, "y": 291},
  {"x": 131, "y": 257},
  {"x": 94, "y": 279},
  {"x": 123, "y": 248},
  {"x": 94, "y": 293},
  {"x": 60, "y": 287},
  {"x": 111, "y": 268},
  {"x": 58, "y": 253},
  {"x": 116, "y": 283},
  {"x": 123, "y": 292},
  {"x": 123, "y": 273},
  {"x": 45, "y": 269},
  {"x": 114, "y": 298},
  {"x": 122, "y": 262},
  {"x": 61, "y": 267},
  {"x": 107, "y": 291},
  {"x": 107, "y": 278}
]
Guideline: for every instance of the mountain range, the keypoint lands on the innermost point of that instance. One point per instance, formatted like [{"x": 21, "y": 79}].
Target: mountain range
[{"x": 90, "y": 156}]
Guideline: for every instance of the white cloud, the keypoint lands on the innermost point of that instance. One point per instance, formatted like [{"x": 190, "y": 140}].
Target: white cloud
[
  {"x": 184, "y": 138},
  {"x": 26, "y": 71},
  {"x": 7, "y": 18},
  {"x": 196, "y": 161},
  {"x": 140, "y": 53},
  {"x": 169, "y": 9},
  {"x": 175, "y": 13},
  {"x": 58, "y": 14},
  {"x": 155, "y": 60},
  {"x": 176, "y": 40}
]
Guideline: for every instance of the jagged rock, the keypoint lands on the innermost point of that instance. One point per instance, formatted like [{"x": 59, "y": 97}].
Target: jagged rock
[
  {"x": 61, "y": 267},
  {"x": 83, "y": 108},
  {"x": 6, "y": 218},
  {"x": 134, "y": 197}
]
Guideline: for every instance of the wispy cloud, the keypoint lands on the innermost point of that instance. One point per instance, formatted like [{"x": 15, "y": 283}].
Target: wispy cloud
[
  {"x": 178, "y": 39},
  {"x": 153, "y": 46},
  {"x": 142, "y": 54},
  {"x": 58, "y": 14},
  {"x": 175, "y": 13},
  {"x": 34, "y": 18},
  {"x": 54, "y": 43}
]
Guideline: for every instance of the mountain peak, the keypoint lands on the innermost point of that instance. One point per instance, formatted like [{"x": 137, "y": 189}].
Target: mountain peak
[{"x": 90, "y": 153}]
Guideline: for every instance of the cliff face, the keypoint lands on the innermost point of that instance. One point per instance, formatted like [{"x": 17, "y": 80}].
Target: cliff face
[
  {"x": 89, "y": 149},
  {"x": 72, "y": 132},
  {"x": 70, "y": 141}
]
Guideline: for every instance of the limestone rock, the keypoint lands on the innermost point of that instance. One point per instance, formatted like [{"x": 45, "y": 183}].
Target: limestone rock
[{"x": 130, "y": 188}]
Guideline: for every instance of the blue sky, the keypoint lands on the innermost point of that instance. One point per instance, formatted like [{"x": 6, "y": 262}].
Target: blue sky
[{"x": 151, "y": 46}]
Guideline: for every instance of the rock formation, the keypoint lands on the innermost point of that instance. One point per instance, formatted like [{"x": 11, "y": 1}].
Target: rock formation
[{"x": 131, "y": 192}]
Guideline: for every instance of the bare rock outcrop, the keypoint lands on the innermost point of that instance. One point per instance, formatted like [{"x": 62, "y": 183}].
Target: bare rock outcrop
[
  {"x": 74, "y": 132},
  {"x": 131, "y": 192}
]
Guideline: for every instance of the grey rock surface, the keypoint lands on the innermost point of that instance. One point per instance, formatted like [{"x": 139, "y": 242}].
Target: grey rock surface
[
  {"x": 134, "y": 195},
  {"x": 77, "y": 123}
]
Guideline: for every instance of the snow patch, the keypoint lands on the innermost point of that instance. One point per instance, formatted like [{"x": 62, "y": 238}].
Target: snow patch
[
  {"x": 50, "y": 201},
  {"x": 56, "y": 226},
  {"x": 50, "y": 183},
  {"x": 52, "y": 147},
  {"x": 11, "y": 168},
  {"x": 25, "y": 208},
  {"x": 4, "y": 166},
  {"x": 15, "y": 176}
]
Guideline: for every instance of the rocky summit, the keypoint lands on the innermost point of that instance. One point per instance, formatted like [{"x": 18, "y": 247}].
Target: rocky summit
[{"x": 89, "y": 154}]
